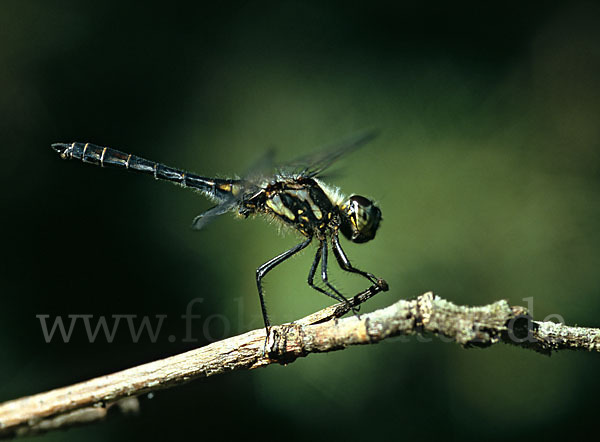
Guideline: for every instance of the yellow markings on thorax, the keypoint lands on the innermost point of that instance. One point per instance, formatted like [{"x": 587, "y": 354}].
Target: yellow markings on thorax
[
  {"x": 303, "y": 195},
  {"x": 316, "y": 210},
  {"x": 277, "y": 206}
]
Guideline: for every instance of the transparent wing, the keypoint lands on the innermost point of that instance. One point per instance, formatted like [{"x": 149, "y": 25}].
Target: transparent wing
[
  {"x": 262, "y": 167},
  {"x": 315, "y": 164},
  {"x": 205, "y": 218},
  {"x": 254, "y": 174}
]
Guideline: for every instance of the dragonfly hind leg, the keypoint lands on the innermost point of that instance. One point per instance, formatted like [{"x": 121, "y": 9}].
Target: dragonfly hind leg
[
  {"x": 321, "y": 256},
  {"x": 266, "y": 268}
]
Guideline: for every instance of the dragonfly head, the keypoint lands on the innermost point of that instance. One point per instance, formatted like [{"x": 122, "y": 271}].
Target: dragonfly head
[{"x": 360, "y": 219}]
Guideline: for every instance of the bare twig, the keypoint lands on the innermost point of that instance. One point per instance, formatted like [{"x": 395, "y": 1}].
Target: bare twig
[{"x": 319, "y": 332}]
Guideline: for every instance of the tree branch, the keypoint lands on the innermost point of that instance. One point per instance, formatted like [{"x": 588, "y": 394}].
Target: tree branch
[{"x": 320, "y": 332}]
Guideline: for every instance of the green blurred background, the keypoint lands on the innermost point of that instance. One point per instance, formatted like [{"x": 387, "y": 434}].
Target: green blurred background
[{"x": 487, "y": 173}]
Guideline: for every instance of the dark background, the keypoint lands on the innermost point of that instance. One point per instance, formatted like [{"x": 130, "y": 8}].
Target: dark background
[{"x": 487, "y": 173}]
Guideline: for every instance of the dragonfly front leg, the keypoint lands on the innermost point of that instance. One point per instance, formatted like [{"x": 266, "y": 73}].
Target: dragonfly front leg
[
  {"x": 266, "y": 268},
  {"x": 344, "y": 262}
]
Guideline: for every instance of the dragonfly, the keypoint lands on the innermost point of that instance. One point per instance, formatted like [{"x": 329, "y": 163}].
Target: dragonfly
[{"x": 294, "y": 195}]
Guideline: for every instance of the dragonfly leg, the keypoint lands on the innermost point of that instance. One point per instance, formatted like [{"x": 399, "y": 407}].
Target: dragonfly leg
[
  {"x": 268, "y": 266},
  {"x": 325, "y": 278},
  {"x": 313, "y": 269},
  {"x": 344, "y": 262}
]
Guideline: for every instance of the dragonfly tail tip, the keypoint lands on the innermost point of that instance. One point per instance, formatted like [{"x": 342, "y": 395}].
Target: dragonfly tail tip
[{"x": 60, "y": 148}]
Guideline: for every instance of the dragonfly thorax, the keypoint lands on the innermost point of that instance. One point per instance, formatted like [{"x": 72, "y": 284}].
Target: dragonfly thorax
[{"x": 300, "y": 203}]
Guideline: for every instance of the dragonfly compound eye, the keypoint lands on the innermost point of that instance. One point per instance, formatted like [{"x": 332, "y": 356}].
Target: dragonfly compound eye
[{"x": 361, "y": 219}]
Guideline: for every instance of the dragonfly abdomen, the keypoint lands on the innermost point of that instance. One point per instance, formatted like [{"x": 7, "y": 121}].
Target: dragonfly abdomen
[{"x": 107, "y": 157}]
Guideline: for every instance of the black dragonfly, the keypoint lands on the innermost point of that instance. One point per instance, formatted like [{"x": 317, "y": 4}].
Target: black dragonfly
[{"x": 294, "y": 195}]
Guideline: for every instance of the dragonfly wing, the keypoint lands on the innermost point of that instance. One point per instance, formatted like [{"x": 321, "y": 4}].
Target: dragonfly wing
[
  {"x": 205, "y": 218},
  {"x": 261, "y": 167},
  {"x": 313, "y": 165}
]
